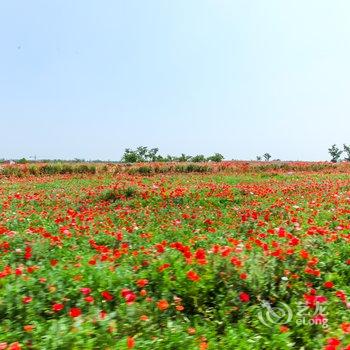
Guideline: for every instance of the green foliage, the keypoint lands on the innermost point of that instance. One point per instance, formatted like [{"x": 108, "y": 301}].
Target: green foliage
[
  {"x": 217, "y": 157},
  {"x": 335, "y": 153},
  {"x": 198, "y": 159},
  {"x": 192, "y": 168},
  {"x": 22, "y": 161},
  {"x": 58, "y": 168},
  {"x": 183, "y": 158},
  {"x": 112, "y": 195},
  {"x": 347, "y": 152},
  {"x": 130, "y": 156},
  {"x": 141, "y": 154},
  {"x": 267, "y": 156}
]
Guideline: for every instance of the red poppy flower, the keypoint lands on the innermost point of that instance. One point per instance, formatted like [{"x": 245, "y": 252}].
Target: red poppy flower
[
  {"x": 244, "y": 297},
  {"x": 284, "y": 329},
  {"x": 53, "y": 262},
  {"x": 57, "y": 307},
  {"x": 346, "y": 327},
  {"x": 333, "y": 342},
  {"x": 142, "y": 282},
  {"x": 74, "y": 312},
  {"x": 28, "y": 328},
  {"x": 128, "y": 295},
  {"x": 103, "y": 314},
  {"x": 130, "y": 342},
  {"x": 162, "y": 305},
  {"x": 243, "y": 276},
  {"x": 328, "y": 284},
  {"x": 163, "y": 267},
  {"x": 193, "y": 276},
  {"x": 89, "y": 299},
  {"x": 27, "y": 300},
  {"x": 15, "y": 346},
  {"x": 85, "y": 290},
  {"x": 107, "y": 296}
]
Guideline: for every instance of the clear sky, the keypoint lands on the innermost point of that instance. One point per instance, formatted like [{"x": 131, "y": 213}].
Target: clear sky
[{"x": 88, "y": 78}]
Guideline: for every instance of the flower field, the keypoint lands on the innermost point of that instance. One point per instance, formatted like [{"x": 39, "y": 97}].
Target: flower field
[{"x": 231, "y": 257}]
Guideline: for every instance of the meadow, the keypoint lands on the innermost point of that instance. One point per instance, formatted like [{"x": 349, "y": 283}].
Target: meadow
[{"x": 233, "y": 255}]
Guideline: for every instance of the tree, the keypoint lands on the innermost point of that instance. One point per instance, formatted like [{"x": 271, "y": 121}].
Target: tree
[
  {"x": 144, "y": 154},
  {"x": 198, "y": 158},
  {"x": 258, "y": 158},
  {"x": 267, "y": 156},
  {"x": 141, "y": 154},
  {"x": 347, "y": 151},
  {"x": 130, "y": 156},
  {"x": 335, "y": 153},
  {"x": 183, "y": 158},
  {"x": 152, "y": 156},
  {"x": 169, "y": 158},
  {"x": 217, "y": 157},
  {"x": 22, "y": 161}
]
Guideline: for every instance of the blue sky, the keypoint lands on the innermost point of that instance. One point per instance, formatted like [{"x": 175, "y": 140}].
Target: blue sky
[{"x": 88, "y": 78}]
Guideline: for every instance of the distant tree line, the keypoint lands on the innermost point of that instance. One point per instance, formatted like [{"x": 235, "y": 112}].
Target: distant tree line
[
  {"x": 75, "y": 160},
  {"x": 144, "y": 154}
]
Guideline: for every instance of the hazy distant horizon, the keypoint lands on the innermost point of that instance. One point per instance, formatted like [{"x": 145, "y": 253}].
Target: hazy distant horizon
[
  {"x": 75, "y": 159},
  {"x": 89, "y": 79}
]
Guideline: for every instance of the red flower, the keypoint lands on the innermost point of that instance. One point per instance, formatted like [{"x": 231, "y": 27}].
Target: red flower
[
  {"x": 107, "y": 296},
  {"x": 162, "y": 305},
  {"x": 27, "y": 300},
  {"x": 85, "y": 290},
  {"x": 89, "y": 299},
  {"x": 193, "y": 276},
  {"x": 163, "y": 267},
  {"x": 243, "y": 276},
  {"x": 74, "y": 312},
  {"x": 284, "y": 329},
  {"x": 346, "y": 327},
  {"x": 142, "y": 282},
  {"x": 319, "y": 319},
  {"x": 28, "y": 253},
  {"x": 333, "y": 342},
  {"x": 28, "y": 328},
  {"x": 200, "y": 254},
  {"x": 103, "y": 314},
  {"x": 341, "y": 295},
  {"x": 321, "y": 299},
  {"x": 244, "y": 297},
  {"x": 53, "y": 262},
  {"x": 130, "y": 342},
  {"x": 57, "y": 307},
  {"x": 328, "y": 284},
  {"x": 203, "y": 345},
  {"x": 128, "y": 295},
  {"x": 15, "y": 346},
  {"x": 235, "y": 261}
]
